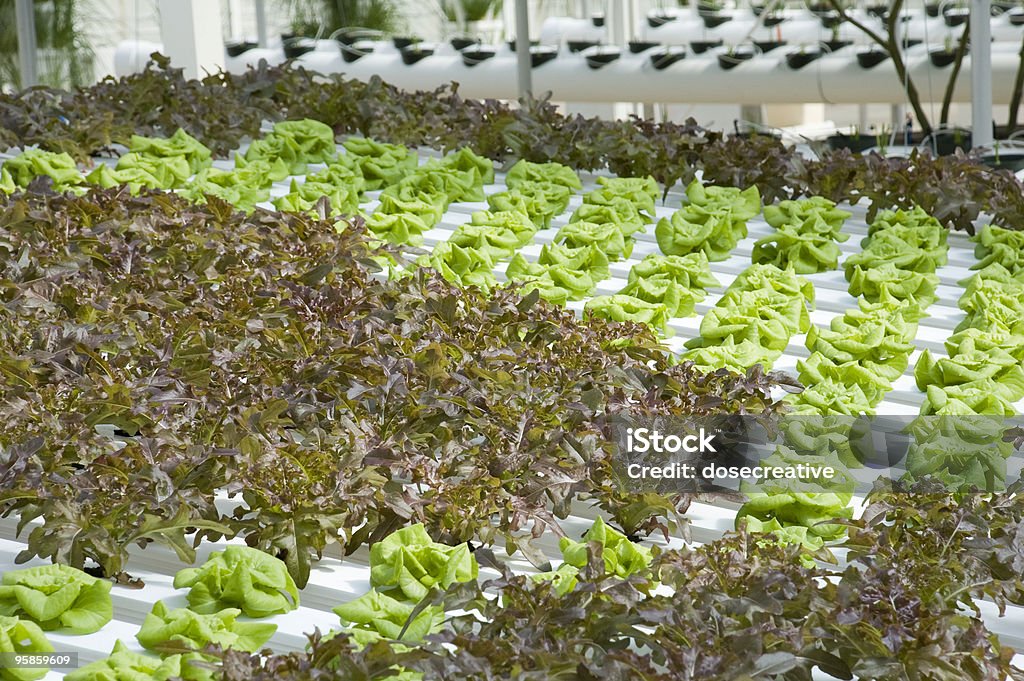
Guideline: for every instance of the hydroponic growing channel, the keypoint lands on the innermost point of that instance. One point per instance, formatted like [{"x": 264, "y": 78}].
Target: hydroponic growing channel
[{"x": 234, "y": 414}]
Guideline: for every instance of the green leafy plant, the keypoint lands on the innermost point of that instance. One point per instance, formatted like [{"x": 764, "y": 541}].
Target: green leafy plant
[
  {"x": 621, "y": 556},
  {"x": 390, "y": 618},
  {"x": 411, "y": 563},
  {"x": 186, "y": 627},
  {"x": 57, "y": 597},
  {"x": 239, "y": 577},
  {"x": 125, "y": 665},
  {"x": 22, "y": 637}
]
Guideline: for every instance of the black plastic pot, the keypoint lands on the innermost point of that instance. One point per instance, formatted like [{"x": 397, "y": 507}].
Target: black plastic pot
[
  {"x": 403, "y": 41},
  {"x": 819, "y": 8},
  {"x": 296, "y": 47},
  {"x": 596, "y": 61},
  {"x": 834, "y": 45},
  {"x": 798, "y": 60},
  {"x": 941, "y": 57},
  {"x": 475, "y": 55},
  {"x": 880, "y": 11},
  {"x": 665, "y": 58},
  {"x": 737, "y": 57},
  {"x": 949, "y": 140},
  {"x": 707, "y": 9},
  {"x": 715, "y": 20},
  {"x": 702, "y": 46},
  {"x": 542, "y": 56},
  {"x": 597, "y": 20},
  {"x": 854, "y": 144},
  {"x": 238, "y": 47},
  {"x": 1006, "y": 159},
  {"x": 414, "y": 53},
  {"x": 580, "y": 45},
  {"x": 869, "y": 59},
  {"x": 769, "y": 45},
  {"x": 512, "y": 44},
  {"x": 1017, "y": 18},
  {"x": 461, "y": 43},
  {"x": 932, "y": 9},
  {"x": 350, "y": 53},
  {"x": 956, "y": 16},
  {"x": 287, "y": 35},
  {"x": 758, "y": 10},
  {"x": 912, "y": 42},
  {"x": 656, "y": 20},
  {"x": 638, "y": 46},
  {"x": 830, "y": 19},
  {"x": 773, "y": 20}
]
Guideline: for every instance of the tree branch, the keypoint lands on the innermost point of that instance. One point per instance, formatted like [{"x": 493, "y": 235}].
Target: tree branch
[{"x": 961, "y": 50}]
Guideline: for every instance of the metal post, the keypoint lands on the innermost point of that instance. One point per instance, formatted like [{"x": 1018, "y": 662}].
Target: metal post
[
  {"x": 523, "y": 61},
  {"x": 981, "y": 73},
  {"x": 26, "y": 24},
  {"x": 261, "y": 23}
]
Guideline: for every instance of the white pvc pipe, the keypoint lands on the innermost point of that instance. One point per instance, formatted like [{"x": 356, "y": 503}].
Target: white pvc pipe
[{"x": 697, "y": 79}]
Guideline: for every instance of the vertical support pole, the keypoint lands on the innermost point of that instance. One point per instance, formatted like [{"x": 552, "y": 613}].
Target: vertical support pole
[
  {"x": 261, "y": 22},
  {"x": 192, "y": 36},
  {"x": 523, "y": 61},
  {"x": 981, "y": 73},
  {"x": 25, "y": 19}
]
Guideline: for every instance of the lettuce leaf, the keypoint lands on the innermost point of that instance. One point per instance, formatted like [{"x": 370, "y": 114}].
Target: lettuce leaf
[
  {"x": 551, "y": 172},
  {"x": 427, "y": 207},
  {"x": 32, "y": 163},
  {"x": 689, "y": 271},
  {"x": 381, "y": 164},
  {"x": 7, "y": 185},
  {"x": 409, "y": 562},
  {"x": 195, "y": 630},
  {"x": 804, "y": 251},
  {"x": 888, "y": 279},
  {"x": 621, "y": 556},
  {"x": 626, "y": 308},
  {"x": 622, "y": 214},
  {"x": 872, "y": 384},
  {"x": 662, "y": 288},
  {"x": 124, "y": 665},
  {"x": 589, "y": 259},
  {"x": 607, "y": 237},
  {"x": 387, "y": 616},
  {"x": 997, "y": 245},
  {"x": 195, "y": 153},
  {"x": 799, "y": 211},
  {"x": 869, "y": 344},
  {"x": 240, "y": 577},
  {"x": 303, "y": 197},
  {"x": 695, "y": 229},
  {"x": 57, "y": 597},
  {"x": 536, "y": 206},
  {"x": 516, "y": 222},
  {"x": 732, "y": 355},
  {"x": 22, "y": 636},
  {"x": 398, "y": 228},
  {"x": 462, "y": 265},
  {"x": 556, "y": 283}
]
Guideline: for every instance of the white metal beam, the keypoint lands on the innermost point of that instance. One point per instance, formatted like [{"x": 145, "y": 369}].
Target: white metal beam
[
  {"x": 981, "y": 73},
  {"x": 523, "y": 61},
  {"x": 261, "y": 23},
  {"x": 192, "y": 35},
  {"x": 25, "y": 19}
]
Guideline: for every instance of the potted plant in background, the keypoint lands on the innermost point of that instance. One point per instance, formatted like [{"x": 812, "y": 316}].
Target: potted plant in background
[
  {"x": 65, "y": 56},
  {"x": 324, "y": 17},
  {"x": 468, "y": 16}
]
